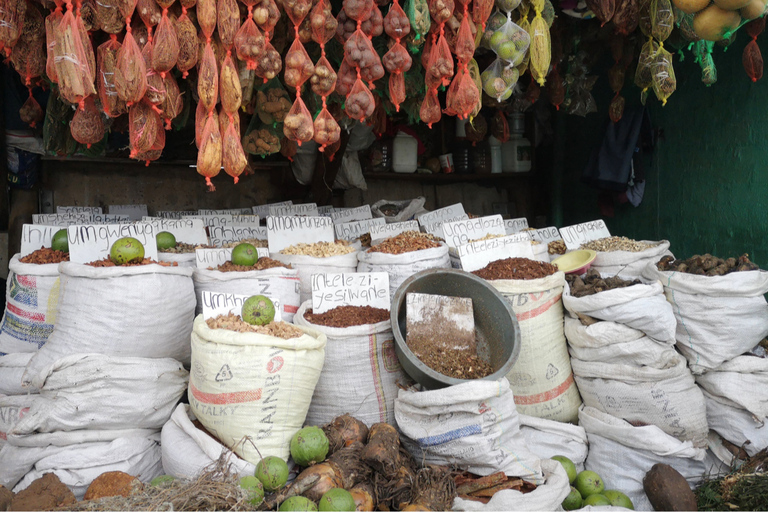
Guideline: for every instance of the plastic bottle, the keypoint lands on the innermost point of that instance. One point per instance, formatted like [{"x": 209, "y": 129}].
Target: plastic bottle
[
  {"x": 516, "y": 154},
  {"x": 404, "y": 153}
]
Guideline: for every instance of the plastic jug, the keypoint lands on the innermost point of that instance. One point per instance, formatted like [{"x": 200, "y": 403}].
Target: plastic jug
[
  {"x": 404, "y": 153},
  {"x": 495, "y": 143},
  {"x": 516, "y": 154}
]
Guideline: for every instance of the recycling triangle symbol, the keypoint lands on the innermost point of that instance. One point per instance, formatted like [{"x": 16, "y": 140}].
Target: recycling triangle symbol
[
  {"x": 224, "y": 374},
  {"x": 551, "y": 372}
]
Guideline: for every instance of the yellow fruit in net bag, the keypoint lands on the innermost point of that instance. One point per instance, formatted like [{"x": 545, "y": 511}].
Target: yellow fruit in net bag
[
  {"x": 664, "y": 81},
  {"x": 662, "y": 19},
  {"x": 541, "y": 48},
  {"x": 643, "y": 73}
]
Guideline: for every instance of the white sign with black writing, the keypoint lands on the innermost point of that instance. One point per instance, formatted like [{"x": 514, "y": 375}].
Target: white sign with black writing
[
  {"x": 447, "y": 214},
  {"x": 325, "y": 211},
  {"x": 187, "y": 230},
  {"x": 360, "y": 289},
  {"x": 352, "y": 214},
  {"x": 393, "y": 229},
  {"x": 108, "y": 218},
  {"x": 133, "y": 211},
  {"x": 212, "y": 258},
  {"x": 88, "y": 242},
  {"x": 218, "y": 303},
  {"x": 292, "y": 210},
  {"x": 167, "y": 214},
  {"x": 436, "y": 229},
  {"x": 283, "y": 232},
  {"x": 78, "y": 209},
  {"x": 262, "y": 210},
  {"x": 355, "y": 229},
  {"x": 546, "y": 235},
  {"x": 513, "y": 226},
  {"x": 220, "y": 235},
  {"x": 477, "y": 255},
  {"x": 578, "y": 234},
  {"x": 224, "y": 219},
  {"x": 463, "y": 231},
  {"x": 246, "y": 220},
  {"x": 36, "y": 236},
  {"x": 62, "y": 220},
  {"x": 454, "y": 316},
  {"x": 226, "y": 211}
]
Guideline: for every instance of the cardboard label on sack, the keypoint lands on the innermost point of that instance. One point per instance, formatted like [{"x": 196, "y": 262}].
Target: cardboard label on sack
[
  {"x": 246, "y": 220},
  {"x": 433, "y": 320},
  {"x": 167, "y": 214},
  {"x": 215, "y": 304},
  {"x": 325, "y": 211},
  {"x": 515, "y": 225},
  {"x": 108, "y": 218},
  {"x": 546, "y": 235},
  {"x": 361, "y": 289},
  {"x": 262, "y": 210},
  {"x": 220, "y": 235},
  {"x": 292, "y": 210},
  {"x": 352, "y": 214},
  {"x": 187, "y": 230},
  {"x": 89, "y": 243},
  {"x": 356, "y": 229},
  {"x": 463, "y": 231},
  {"x": 477, "y": 255},
  {"x": 283, "y": 232},
  {"x": 78, "y": 209},
  {"x": 134, "y": 211},
  {"x": 441, "y": 215},
  {"x": 224, "y": 219},
  {"x": 36, "y": 236},
  {"x": 61, "y": 220},
  {"x": 578, "y": 234},
  {"x": 395, "y": 228},
  {"x": 212, "y": 258},
  {"x": 226, "y": 211}
]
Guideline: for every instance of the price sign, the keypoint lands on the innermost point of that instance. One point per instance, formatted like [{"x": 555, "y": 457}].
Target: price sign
[
  {"x": 227, "y": 211},
  {"x": 292, "y": 210},
  {"x": 36, "y": 236},
  {"x": 187, "y": 230},
  {"x": 325, "y": 211},
  {"x": 546, "y": 235},
  {"x": 218, "y": 303},
  {"x": 513, "y": 226},
  {"x": 578, "y": 234},
  {"x": 246, "y": 220},
  {"x": 463, "y": 231},
  {"x": 447, "y": 214},
  {"x": 330, "y": 291},
  {"x": 62, "y": 220},
  {"x": 356, "y": 229},
  {"x": 437, "y": 228},
  {"x": 262, "y": 210},
  {"x": 134, "y": 211},
  {"x": 166, "y": 214},
  {"x": 108, "y": 218},
  {"x": 78, "y": 209},
  {"x": 476, "y": 255},
  {"x": 352, "y": 214},
  {"x": 221, "y": 235},
  {"x": 224, "y": 219},
  {"x": 88, "y": 243},
  {"x": 283, "y": 232},
  {"x": 395, "y": 228}
]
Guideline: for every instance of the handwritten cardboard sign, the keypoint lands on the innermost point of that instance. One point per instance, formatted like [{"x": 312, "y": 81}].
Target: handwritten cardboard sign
[
  {"x": 291, "y": 210},
  {"x": 463, "y": 231},
  {"x": 187, "y": 230},
  {"x": 219, "y": 303},
  {"x": 330, "y": 291},
  {"x": 436, "y": 229},
  {"x": 352, "y": 214},
  {"x": 167, "y": 214},
  {"x": 262, "y": 210},
  {"x": 134, "y": 211},
  {"x": 452, "y": 317},
  {"x": 108, "y": 218},
  {"x": 325, "y": 211},
  {"x": 447, "y": 214},
  {"x": 226, "y": 211},
  {"x": 78, "y": 209},
  {"x": 212, "y": 258},
  {"x": 36, "y": 236},
  {"x": 224, "y": 219},
  {"x": 546, "y": 235},
  {"x": 513, "y": 226},
  {"x": 57, "y": 219},
  {"x": 88, "y": 243},
  {"x": 476, "y": 255},
  {"x": 283, "y": 232},
  {"x": 220, "y": 235},
  {"x": 246, "y": 220},
  {"x": 356, "y": 229},
  {"x": 393, "y": 229},
  {"x": 578, "y": 234}
]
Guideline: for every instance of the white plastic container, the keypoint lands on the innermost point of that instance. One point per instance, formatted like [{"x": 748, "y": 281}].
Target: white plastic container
[
  {"x": 516, "y": 154},
  {"x": 404, "y": 153},
  {"x": 496, "y": 166}
]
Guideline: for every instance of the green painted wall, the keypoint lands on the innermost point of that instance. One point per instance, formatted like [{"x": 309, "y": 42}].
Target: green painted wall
[{"x": 707, "y": 187}]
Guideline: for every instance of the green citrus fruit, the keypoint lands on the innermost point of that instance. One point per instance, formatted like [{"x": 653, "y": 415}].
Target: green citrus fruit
[
  {"x": 255, "y": 489},
  {"x": 309, "y": 445},
  {"x": 165, "y": 240},
  {"x": 245, "y": 254},
  {"x": 258, "y": 310},
  {"x": 618, "y": 499},
  {"x": 597, "y": 500},
  {"x": 272, "y": 472},
  {"x": 297, "y": 503},
  {"x": 497, "y": 39},
  {"x": 59, "y": 242},
  {"x": 126, "y": 250},
  {"x": 568, "y": 465},
  {"x": 573, "y": 500},
  {"x": 161, "y": 480},
  {"x": 589, "y": 483},
  {"x": 337, "y": 500}
]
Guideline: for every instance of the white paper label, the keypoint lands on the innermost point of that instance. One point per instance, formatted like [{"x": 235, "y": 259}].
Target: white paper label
[
  {"x": 283, "y": 232},
  {"x": 356, "y": 229},
  {"x": 36, "y": 236},
  {"x": 395, "y": 228},
  {"x": 187, "y": 230},
  {"x": 213, "y": 220},
  {"x": 447, "y": 214},
  {"x": 325, "y": 211},
  {"x": 108, "y": 218},
  {"x": 227, "y": 211},
  {"x": 216, "y": 303},
  {"x": 477, "y": 255},
  {"x": 436, "y": 229},
  {"x": 455, "y": 313},
  {"x": 89, "y": 243},
  {"x": 134, "y": 211},
  {"x": 361, "y": 289},
  {"x": 62, "y": 220},
  {"x": 262, "y": 210},
  {"x": 292, "y": 210},
  {"x": 78, "y": 209},
  {"x": 166, "y": 214},
  {"x": 463, "y": 231},
  {"x": 546, "y": 235},
  {"x": 220, "y": 235},
  {"x": 246, "y": 220},
  {"x": 513, "y": 226},
  {"x": 359, "y": 213},
  {"x": 205, "y": 258},
  {"x": 575, "y": 235}
]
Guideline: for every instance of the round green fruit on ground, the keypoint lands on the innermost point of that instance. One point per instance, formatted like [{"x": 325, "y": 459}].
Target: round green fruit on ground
[
  {"x": 272, "y": 472},
  {"x": 589, "y": 483},
  {"x": 126, "y": 250},
  {"x": 597, "y": 500},
  {"x": 618, "y": 499},
  {"x": 337, "y": 500},
  {"x": 309, "y": 445},
  {"x": 59, "y": 242},
  {"x": 297, "y": 503},
  {"x": 568, "y": 465},
  {"x": 161, "y": 480},
  {"x": 573, "y": 500},
  {"x": 165, "y": 240},
  {"x": 245, "y": 255},
  {"x": 258, "y": 310},
  {"x": 255, "y": 489}
]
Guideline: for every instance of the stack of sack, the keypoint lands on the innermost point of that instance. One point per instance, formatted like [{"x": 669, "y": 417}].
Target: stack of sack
[{"x": 108, "y": 377}]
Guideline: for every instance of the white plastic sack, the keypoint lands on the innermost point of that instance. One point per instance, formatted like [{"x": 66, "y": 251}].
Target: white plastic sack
[
  {"x": 623, "y": 454},
  {"x": 12, "y": 409},
  {"x": 188, "y": 451},
  {"x": 141, "y": 311},
  {"x": 630, "y": 265},
  {"x": 641, "y": 306},
  {"x": 183, "y": 259},
  {"x": 736, "y": 424},
  {"x": 363, "y": 355},
  {"x": 541, "y": 378},
  {"x": 280, "y": 283},
  {"x": 11, "y": 371},
  {"x": 473, "y": 425},
  {"x": 408, "y": 209},
  {"x": 248, "y": 384},
  {"x": 547, "y": 496},
  {"x": 547, "y": 438},
  {"x": 92, "y": 391},
  {"x": 667, "y": 398},
  {"x": 718, "y": 317},
  {"x": 79, "y": 463},
  {"x": 741, "y": 382},
  {"x": 31, "y": 295},
  {"x": 308, "y": 265},
  {"x": 402, "y": 266}
]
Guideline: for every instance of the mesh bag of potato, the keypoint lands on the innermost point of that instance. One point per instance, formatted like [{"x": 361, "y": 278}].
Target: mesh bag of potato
[{"x": 499, "y": 80}]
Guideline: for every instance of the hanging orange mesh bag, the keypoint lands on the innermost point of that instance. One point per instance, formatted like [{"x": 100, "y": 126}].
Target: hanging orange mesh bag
[
  {"x": 360, "y": 103},
  {"x": 462, "y": 95},
  {"x": 106, "y": 65},
  {"x": 109, "y": 15},
  {"x": 752, "y": 60},
  {"x": 210, "y": 154},
  {"x": 297, "y": 10},
  {"x": 131, "y": 71},
  {"x": 51, "y": 23},
  {"x": 149, "y": 12},
  {"x": 372, "y": 73},
  {"x": 298, "y": 124},
  {"x": 430, "y": 108},
  {"x": 465, "y": 42},
  {"x": 201, "y": 113},
  {"x": 396, "y": 87},
  {"x": 29, "y": 54},
  {"x": 440, "y": 10},
  {"x": 165, "y": 51},
  {"x": 229, "y": 84},
  {"x": 625, "y": 18},
  {"x": 208, "y": 79},
  {"x": 373, "y": 26},
  {"x": 345, "y": 78},
  {"x": 206, "y": 16},
  {"x": 174, "y": 103},
  {"x": 87, "y": 125},
  {"x": 359, "y": 52},
  {"x": 556, "y": 89},
  {"x": 224, "y": 120},
  {"x": 266, "y": 14},
  {"x": 298, "y": 65},
  {"x": 144, "y": 125},
  {"x": 397, "y": 59},
  {"x": 481, "y": 11},
  {"x": 603, "y": 9},
  {"x": 327, "y": 130},
  {"x": 72, "y": 69},
  {"x": 426, "y": 51},
  {"x": 396, "y": 23},
  {"x": 345, "y": 27},
  {"x": 186, "y": 36},
  {"x": 269, "y": 64},
  {"x": 439, "y": 71},
  {"x": 358, "y": 10},
  {"x": 154, "y": 152},
  {"x": 11, "y": 22},
  {"x": 323, "y": 80},
  {"x": 499, "y": 126},
  {"x": 228, "y": 16},
  {"x": 155, "y": 93},
  {"x": 322, "y": 22},
  {"x": 249, "y": 41},
  {"x": 31, "y": 112},
  {"x": 232, "y": 155}
]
